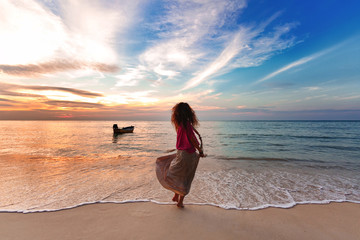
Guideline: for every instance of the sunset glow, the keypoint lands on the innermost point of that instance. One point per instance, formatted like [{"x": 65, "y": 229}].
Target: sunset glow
[{"x": 229, "y": 59}]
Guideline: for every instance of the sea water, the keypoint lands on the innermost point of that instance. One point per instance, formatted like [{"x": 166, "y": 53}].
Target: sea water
[{"x": 53, "y": 165}]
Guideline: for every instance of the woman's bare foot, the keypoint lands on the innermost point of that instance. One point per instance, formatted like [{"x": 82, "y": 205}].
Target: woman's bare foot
[
  {"x": 176, "y": 197},
  {"x": 180, "y": 205},
  {"x": 180, "y": 202}
]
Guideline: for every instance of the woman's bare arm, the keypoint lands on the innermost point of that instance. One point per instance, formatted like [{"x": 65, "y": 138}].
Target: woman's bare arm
[{"x": 196, "y": 145}]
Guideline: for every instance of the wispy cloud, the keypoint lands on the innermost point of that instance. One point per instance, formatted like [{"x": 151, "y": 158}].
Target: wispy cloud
[
  {"x": 12, "y": 89},
  {"x": 263, "y": 45},
  {"x": 347, "y": 97},
  {"x": 197, "y": 97},
  {"x": 313, "y": 88},
  {"x": 7, "y": 100},
  {"x": 248, "y": 47},
  {"x": 135, "y": 98},
  {"x": 184, "y": 29},
  {"x": 227, "y": 54},
  {"x": 29, "y": 33},
  {"x": 130, "y": 77},
  {"x": 35, "y": 70},
  {"x": 301, "y": 114},
  {"x": 289, "y": 66},
  {"x": 72, "y": 104},
  {"x": 71, "y": 35},
  {"x": 297, "y": 63},
  {"x": 56, "y": 100}
]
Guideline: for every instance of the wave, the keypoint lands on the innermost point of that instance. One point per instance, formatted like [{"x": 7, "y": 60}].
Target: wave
[
  {"x": 255, "y": 159},
  {"x": 343, "y": 148},
  {"x": 312, "y": 163},
  {"x": 223, "y": 206},
  {"x": 266, "y": 135}
]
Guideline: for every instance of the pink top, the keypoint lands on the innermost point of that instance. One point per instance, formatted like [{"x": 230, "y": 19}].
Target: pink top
[{"x": 183, "y": 136}]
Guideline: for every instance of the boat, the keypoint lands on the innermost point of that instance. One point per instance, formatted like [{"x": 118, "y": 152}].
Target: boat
[{"x": 118, "y": 130}]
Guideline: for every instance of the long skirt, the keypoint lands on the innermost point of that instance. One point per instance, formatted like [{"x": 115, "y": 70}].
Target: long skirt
[{"x": 176, "y": 171}]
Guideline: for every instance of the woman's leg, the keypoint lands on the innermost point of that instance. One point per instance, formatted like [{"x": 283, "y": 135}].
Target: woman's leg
[
  {"x": 180, "y": 202},
  {"x": 176, "y": 197}
]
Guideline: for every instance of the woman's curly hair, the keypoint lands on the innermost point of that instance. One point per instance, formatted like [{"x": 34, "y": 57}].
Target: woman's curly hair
[{"x": 183, "y": 113}]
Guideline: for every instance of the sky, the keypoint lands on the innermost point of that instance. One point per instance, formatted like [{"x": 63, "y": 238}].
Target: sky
[{"x": 135, "y": 59}]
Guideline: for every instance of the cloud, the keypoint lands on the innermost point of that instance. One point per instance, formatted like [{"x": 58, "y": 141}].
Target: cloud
[
  {"x": 136, "y": 97},
  {"x": 226, "y": 55},
  {"x": 78, "y": 92},
  {"x": 164, "y": 72},
  {"x": 197, "y": 97},
  {"x": 130, "y": 77},
  {"x": 183, "y": 29},
  {"x": 266, "y": 113},
  {"x": 29, "y": 33},
  {"x": 91, "y": 29},
  {"x": 313, "y": 88},
  {"x": 64, "y": 101},
  {"x": 288, "y": 67},
  {"x": 64, "y": 95},
  {"x": 39, "y": 38},
  {"x": 297, "y": 63},
  {"x": 72, "y": 104},
  {"x": 263, "y": 46},
  {"x": 12, "y": 90},
  {"x": 248, "y": 47},
  {"x": 347, "y": 98},
  {"x": 241, "y": 106},
  {"x": 34, "y": 70},
  {"x": 196, "y": 20},
  {"x": 7, "y": 100}
]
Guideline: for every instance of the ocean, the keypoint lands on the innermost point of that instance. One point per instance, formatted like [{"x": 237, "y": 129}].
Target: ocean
[{"x": 54, "y": 165}]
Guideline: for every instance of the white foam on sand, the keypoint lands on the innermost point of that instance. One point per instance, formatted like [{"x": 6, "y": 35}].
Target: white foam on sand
[{"x": 224, "y": 206}]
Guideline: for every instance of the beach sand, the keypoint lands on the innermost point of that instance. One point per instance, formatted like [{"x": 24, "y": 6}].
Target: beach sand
[{"x": 153, "y": 221}]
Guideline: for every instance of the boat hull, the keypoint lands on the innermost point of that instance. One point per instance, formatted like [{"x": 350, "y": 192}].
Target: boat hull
[{"x": 124, "y": 130}]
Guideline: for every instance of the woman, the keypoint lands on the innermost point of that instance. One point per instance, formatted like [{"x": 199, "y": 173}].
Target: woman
[{"x": 176, "y": 172}]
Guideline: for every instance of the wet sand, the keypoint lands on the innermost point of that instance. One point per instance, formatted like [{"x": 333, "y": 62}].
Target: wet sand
[{"x": 154, "y": 221}]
